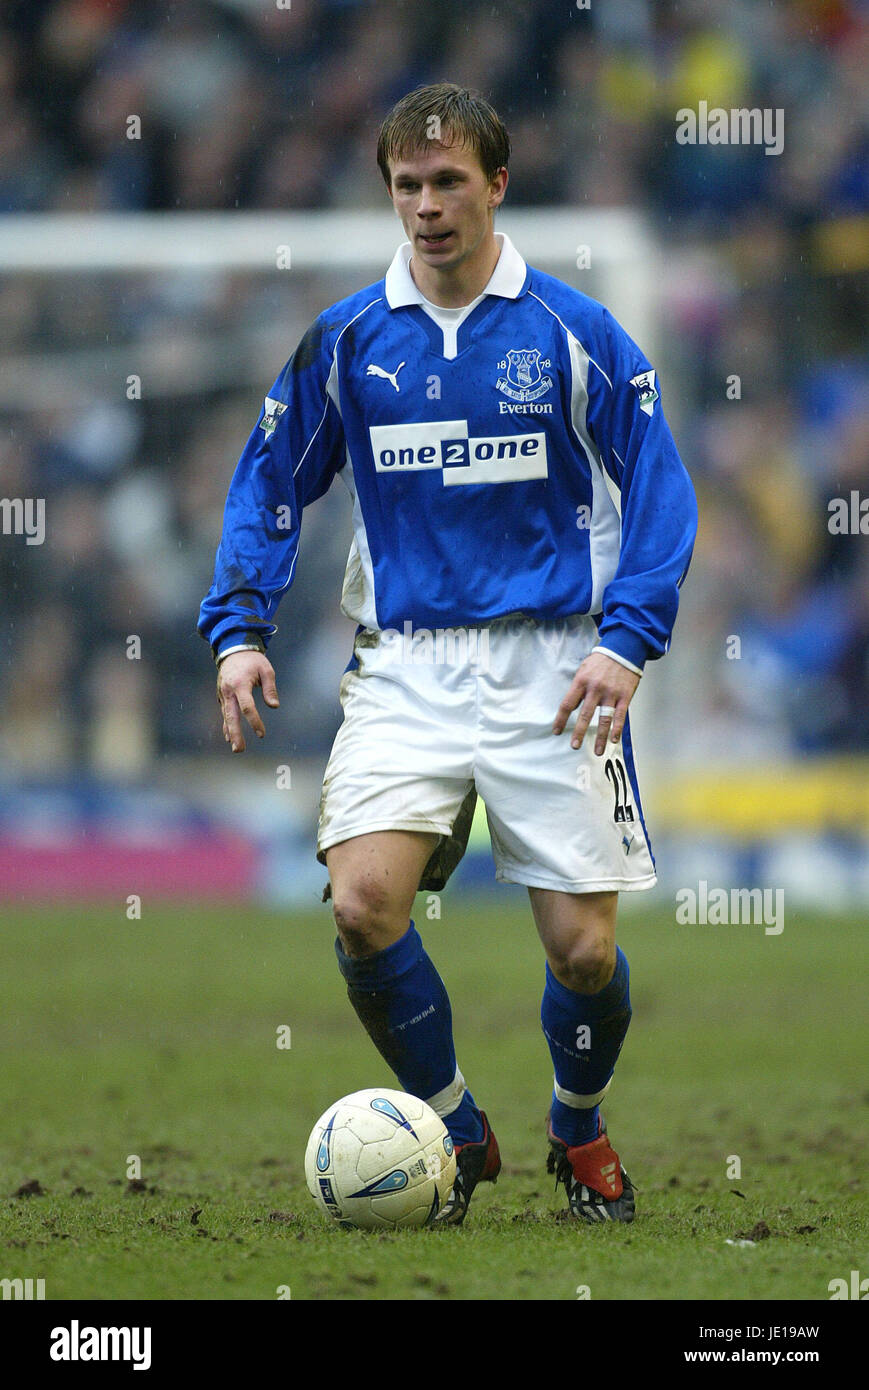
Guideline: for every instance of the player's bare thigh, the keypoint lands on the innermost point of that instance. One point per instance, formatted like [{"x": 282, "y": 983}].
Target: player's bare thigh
[
  {"x": 374, "y": 880},
  {"x": 578, "y": 931}
]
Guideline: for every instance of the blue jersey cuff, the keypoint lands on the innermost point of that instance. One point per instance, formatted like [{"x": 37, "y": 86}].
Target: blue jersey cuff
[
  {"x": 624, "y": 643},
  {"x": 238, "y": 642}
]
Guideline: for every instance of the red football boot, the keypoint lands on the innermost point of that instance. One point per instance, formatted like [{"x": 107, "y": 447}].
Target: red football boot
[{"x": 598, "y": 1188}]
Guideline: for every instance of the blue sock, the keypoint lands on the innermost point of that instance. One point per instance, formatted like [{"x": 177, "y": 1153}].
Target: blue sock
[
  {"x": 585, "y": 1033},
  {"x": 402, "y": 1004}
]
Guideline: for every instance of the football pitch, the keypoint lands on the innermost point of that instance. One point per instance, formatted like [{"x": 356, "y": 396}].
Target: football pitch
[{"x": 158, "y": 1048}]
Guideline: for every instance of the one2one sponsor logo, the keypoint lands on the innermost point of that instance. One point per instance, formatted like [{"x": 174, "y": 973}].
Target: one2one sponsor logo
[{"x": 446, "y": 445}]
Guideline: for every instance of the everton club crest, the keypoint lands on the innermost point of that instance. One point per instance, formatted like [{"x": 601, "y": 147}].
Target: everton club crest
[{"x": 523, "y": 376}]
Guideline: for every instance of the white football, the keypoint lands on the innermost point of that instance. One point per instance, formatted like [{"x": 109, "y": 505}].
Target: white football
[{"x": 380, "y": 1159}]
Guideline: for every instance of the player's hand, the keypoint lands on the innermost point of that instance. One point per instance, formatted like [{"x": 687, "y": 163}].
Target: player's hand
[
  {"x": 600, "y": 681},
  {"x": 237, "y": 675}
]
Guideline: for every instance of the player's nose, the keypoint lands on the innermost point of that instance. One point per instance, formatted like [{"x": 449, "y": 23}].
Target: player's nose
[{"x": 428, "y": 205}]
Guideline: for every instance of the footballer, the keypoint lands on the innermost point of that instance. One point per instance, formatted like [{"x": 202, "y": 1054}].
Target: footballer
[{"x": 512, "y": 476}]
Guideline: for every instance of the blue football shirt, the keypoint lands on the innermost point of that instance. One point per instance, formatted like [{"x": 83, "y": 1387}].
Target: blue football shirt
[{"x": 516, "y": 461}]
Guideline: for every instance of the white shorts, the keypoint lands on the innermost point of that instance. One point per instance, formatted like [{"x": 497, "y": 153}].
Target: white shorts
[{"x": 428, "y": 716}]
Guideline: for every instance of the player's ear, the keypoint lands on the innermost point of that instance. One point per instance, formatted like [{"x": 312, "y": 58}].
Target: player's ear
[{"x": 498, "y": 188}]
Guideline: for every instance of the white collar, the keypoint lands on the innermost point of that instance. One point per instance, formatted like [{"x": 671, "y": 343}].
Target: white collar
[{"x": 506, "y": 280}]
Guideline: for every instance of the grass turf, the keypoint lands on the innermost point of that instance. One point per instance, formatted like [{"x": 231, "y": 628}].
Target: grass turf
[{"x": 158, "y": 1038}]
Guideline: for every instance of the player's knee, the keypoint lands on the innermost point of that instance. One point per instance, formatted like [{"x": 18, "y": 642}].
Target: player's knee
[
  {"x": 584, "y": 965},
  {"x": 361, "y": 918}
]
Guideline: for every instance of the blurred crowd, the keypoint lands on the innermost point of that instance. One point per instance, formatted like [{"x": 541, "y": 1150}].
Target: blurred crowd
[{"x": 264, "y": 105}]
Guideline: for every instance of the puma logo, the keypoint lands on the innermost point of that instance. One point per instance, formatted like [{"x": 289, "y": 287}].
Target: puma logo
[{"x": 387, "y": 376}]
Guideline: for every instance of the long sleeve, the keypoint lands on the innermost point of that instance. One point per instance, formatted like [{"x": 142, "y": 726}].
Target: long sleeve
[
  {"x": 657, "y": 503},
  {"x": 290, "y": 459}
]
